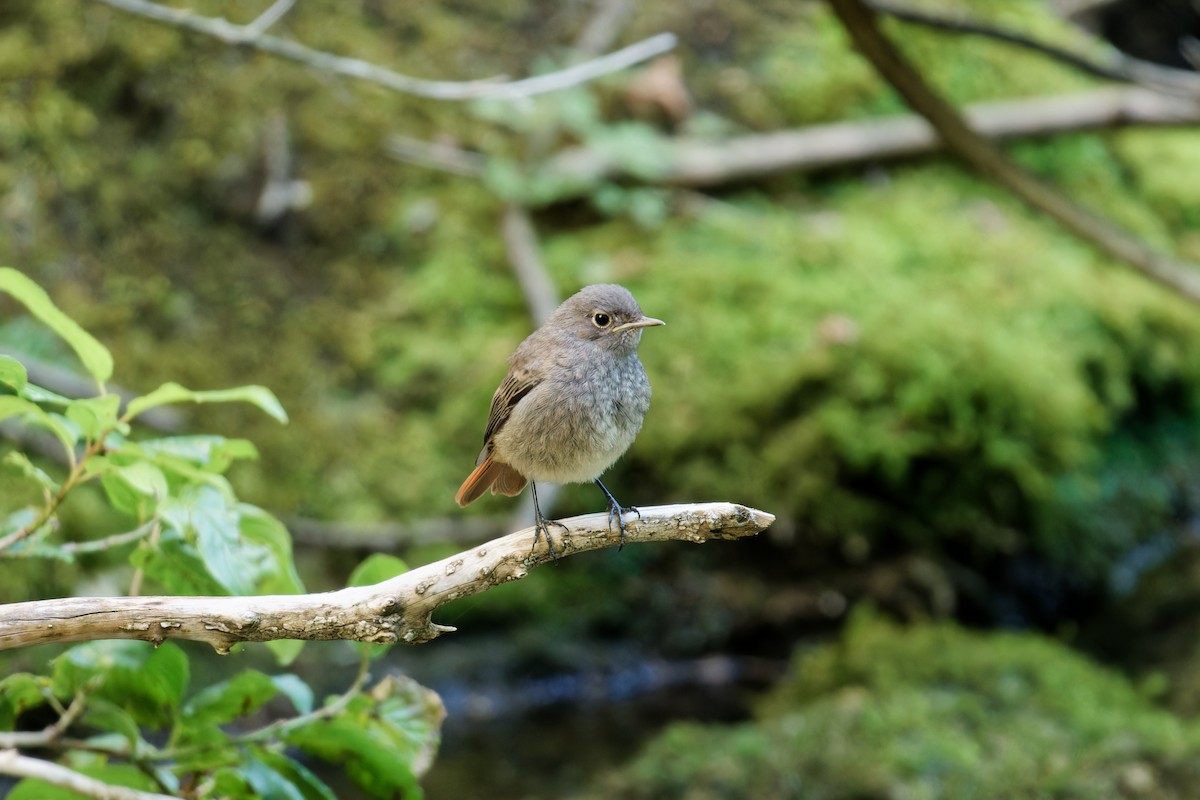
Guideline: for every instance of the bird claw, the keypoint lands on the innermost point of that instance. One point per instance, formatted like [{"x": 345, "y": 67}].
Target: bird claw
[
  {"x": 616, "y": 511},
  {"x": 541, "y": 527}
]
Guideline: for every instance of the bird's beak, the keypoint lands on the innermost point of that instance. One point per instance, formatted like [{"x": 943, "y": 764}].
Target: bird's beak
[{"x": 644, "y": 322}]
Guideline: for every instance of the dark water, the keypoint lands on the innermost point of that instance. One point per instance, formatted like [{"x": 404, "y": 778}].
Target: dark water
[{"x": 546, "y": 737}]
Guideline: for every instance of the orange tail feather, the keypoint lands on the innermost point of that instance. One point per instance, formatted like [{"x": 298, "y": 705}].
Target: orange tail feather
[{"x": 494, "y": 475}]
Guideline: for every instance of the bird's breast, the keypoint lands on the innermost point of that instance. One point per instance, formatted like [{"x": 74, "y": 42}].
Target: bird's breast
[{"x": 577, "y": 421}]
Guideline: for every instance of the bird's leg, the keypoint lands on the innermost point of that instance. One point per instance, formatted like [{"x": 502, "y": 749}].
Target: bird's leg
[
  {"x": 616, "y": 510},
  {"x": 541, "y": 525}
]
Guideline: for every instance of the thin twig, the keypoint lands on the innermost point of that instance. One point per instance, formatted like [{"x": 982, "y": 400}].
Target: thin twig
[
  {"x": 445, "y": 157},
  {"x": 19, "y": 766},
  {"x": 93, "y": 546},
  {"x": 1117, "y": 67},
  {"x": 269, "y": 17},
  {"x": 277, "y": 728},
  {"x": 525, "y": 258},
  {"x": 49, "y": 734},
  {"x": 233, "y": 34}
]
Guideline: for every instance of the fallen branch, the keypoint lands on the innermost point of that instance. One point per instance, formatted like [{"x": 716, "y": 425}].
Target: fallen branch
[
  {"x": 396, "y": 610},
  {"x": 252, "y": 36},
  {"x": 699, "y": 163}
]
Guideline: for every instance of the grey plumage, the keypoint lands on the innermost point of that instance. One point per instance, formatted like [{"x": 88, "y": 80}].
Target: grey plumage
[{"x": 573, "y": 400}]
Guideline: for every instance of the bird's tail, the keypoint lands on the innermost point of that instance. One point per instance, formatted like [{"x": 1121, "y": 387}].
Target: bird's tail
[{"x": 490, "y": 474}]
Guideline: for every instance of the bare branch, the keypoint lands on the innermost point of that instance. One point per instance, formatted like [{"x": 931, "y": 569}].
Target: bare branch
[
  {"x": 233, "y": 34},
  {"x": 603, "y": 27},
  {"x": 396, "y": 610},
  {"x": 1189, "y": 46},
  {"x": 525, "y": 259},
  {"x": 19, "y": 766},
  {"x": 90, "y": 546},
  {"x": 982, "y": 155},
  {"x": 1117, "y": 66},
  {"x": 436, "y": 155},
  {"x": 524, "y": 255},
  {"x": 269, "y": 17}
]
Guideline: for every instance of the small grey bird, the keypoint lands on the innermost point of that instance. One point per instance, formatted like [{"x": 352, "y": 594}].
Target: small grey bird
[{"x": 571, "y": 404}]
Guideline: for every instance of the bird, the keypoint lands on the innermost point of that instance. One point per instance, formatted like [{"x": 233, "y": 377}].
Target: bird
[{"x": 573, "y": 401}]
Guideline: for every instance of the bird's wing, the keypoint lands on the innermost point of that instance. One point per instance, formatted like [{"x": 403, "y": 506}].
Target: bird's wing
[{"x": 514, "y": 387}]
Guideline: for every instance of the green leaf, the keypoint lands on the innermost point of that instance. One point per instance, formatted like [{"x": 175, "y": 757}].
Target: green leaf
[
  {"x": 398, "y": 723},
  {"x": 212, "y": 453},
  {"x": 410, "y": 716},
  {"x": 370, "y": 763},
  {"x": 17, "y": 406},
  {"x": 94, "y": 415},
  {"x": 226, "y": 701},
  {"x": 228, "y": 782},
  {"x": 295, "y": 689},
  {"x": 259, "y": 527},
  {"x": 19, "y": 693},
  {"x": 57, "y": 425},
  {"x": 286, "y": 650},
  {"x": 267, "y": 782},
  {"x": 29, "y": 470},
  {"x": 178, "y": 470},
  {"x": 37, "y": 394},
  {"x": 95, "y": 357},
  {"x": 203, "y": 747},
  {"x": 125, "y": 775},
  {"x": 12, "y": 373},
  {"x": 259, "y": 396},
  {"x": 298, "y": 777},
  {"x": 105, "y": 715},
  {"x": 146, "y": 681},
  {"x": 136, "y": 489},
  {"x": 212, "y": 521},
  {"x": 376, "y": 568},
  {"x": 175, "y": 564}
]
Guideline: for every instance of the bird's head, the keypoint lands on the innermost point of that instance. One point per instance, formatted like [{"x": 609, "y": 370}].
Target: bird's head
[{"x": 606, "y": 314}]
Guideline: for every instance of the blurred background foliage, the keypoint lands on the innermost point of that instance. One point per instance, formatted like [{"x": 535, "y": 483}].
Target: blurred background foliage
[{"x": 954, "y": 407}]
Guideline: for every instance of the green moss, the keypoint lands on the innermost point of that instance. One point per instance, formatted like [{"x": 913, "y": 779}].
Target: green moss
[
  {"x": 930, "y": 711},
  {"x": 848, "y": 368}
]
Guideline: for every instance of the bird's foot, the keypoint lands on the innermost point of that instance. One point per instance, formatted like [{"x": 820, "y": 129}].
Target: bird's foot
[
  {"x": 541, "y": 527},
  {"x": 617, "y": 512}
]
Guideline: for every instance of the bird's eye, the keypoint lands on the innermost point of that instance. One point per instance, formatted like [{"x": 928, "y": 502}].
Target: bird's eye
[{"x": 601, "y": 320}]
